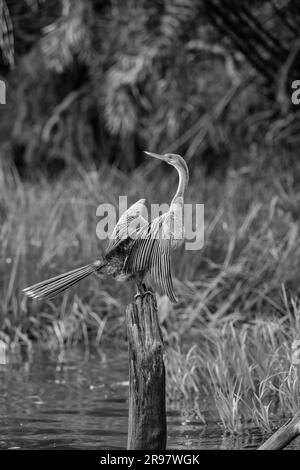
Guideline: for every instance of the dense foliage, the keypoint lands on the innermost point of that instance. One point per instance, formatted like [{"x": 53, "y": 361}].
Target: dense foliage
[{"x": 106, "y": 79}]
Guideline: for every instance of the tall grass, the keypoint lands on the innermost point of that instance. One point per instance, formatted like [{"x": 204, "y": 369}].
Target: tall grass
[
  {"x": 247, "y": 369},
  {"x": 238, "y": 296}
]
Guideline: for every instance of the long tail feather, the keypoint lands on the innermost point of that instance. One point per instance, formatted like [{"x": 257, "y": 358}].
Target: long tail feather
[{"x": 56, "y": 285}]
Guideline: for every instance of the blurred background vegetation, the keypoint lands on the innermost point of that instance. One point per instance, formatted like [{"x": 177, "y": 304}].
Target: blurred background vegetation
[
  {"x": 90, "y": 84},
  {"x": 104, "y": 80}
]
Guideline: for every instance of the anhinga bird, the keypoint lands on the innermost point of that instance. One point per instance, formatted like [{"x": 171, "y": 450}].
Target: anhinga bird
[{"x": 146, "y": 251}]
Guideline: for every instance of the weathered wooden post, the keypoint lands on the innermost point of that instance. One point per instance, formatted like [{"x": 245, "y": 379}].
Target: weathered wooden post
[
  {"x": 147, "y": 428},
  {"x": 284, "y": 435}
]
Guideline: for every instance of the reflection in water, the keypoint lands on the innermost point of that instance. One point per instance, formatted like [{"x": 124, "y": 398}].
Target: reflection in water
[{"x": 79, "y": 400}]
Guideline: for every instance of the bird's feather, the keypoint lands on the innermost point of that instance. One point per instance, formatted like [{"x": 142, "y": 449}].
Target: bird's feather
[
  {"x": 151, "y": 252},
  {"x": 128, "y": 224},
  {"x": 57, "y": 284}
]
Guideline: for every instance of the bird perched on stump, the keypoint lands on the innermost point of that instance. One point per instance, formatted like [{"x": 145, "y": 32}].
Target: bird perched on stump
[{"x": 145, "y": 251}]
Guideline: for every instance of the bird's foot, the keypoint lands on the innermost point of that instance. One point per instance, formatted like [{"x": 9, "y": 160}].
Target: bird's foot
[
  {"x": 148, "y": 292},
  {"x": 143, "y": 292},
  {"x": 138, "y": 294}
]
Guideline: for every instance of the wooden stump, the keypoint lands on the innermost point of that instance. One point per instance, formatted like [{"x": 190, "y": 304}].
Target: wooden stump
[
  {"x": 147, "y": 428},
  {"x": 284, "y": 435}
]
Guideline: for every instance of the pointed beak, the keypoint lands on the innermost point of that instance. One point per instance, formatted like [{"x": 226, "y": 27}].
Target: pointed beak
[{"x": 155, "y": 155}]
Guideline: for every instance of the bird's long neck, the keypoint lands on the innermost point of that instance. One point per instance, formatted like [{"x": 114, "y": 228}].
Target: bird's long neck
[{"x": 183, "y": 173}]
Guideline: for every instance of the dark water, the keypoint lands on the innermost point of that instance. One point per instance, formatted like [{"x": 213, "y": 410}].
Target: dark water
[{"x": 78, "y": 400}]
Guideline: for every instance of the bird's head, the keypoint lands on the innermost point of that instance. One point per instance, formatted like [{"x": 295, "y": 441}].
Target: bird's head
[
  {"x": 171, "y": 158},
  {"x": 179, "y": 163}
]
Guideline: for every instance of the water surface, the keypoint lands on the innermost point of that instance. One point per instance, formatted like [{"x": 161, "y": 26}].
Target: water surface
[{"x": 78, "y": 400}]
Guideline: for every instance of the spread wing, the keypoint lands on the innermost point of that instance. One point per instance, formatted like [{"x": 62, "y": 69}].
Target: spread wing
[
  {"x": 129, "y": 222},
  {"x": 150, "y": 252}
]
